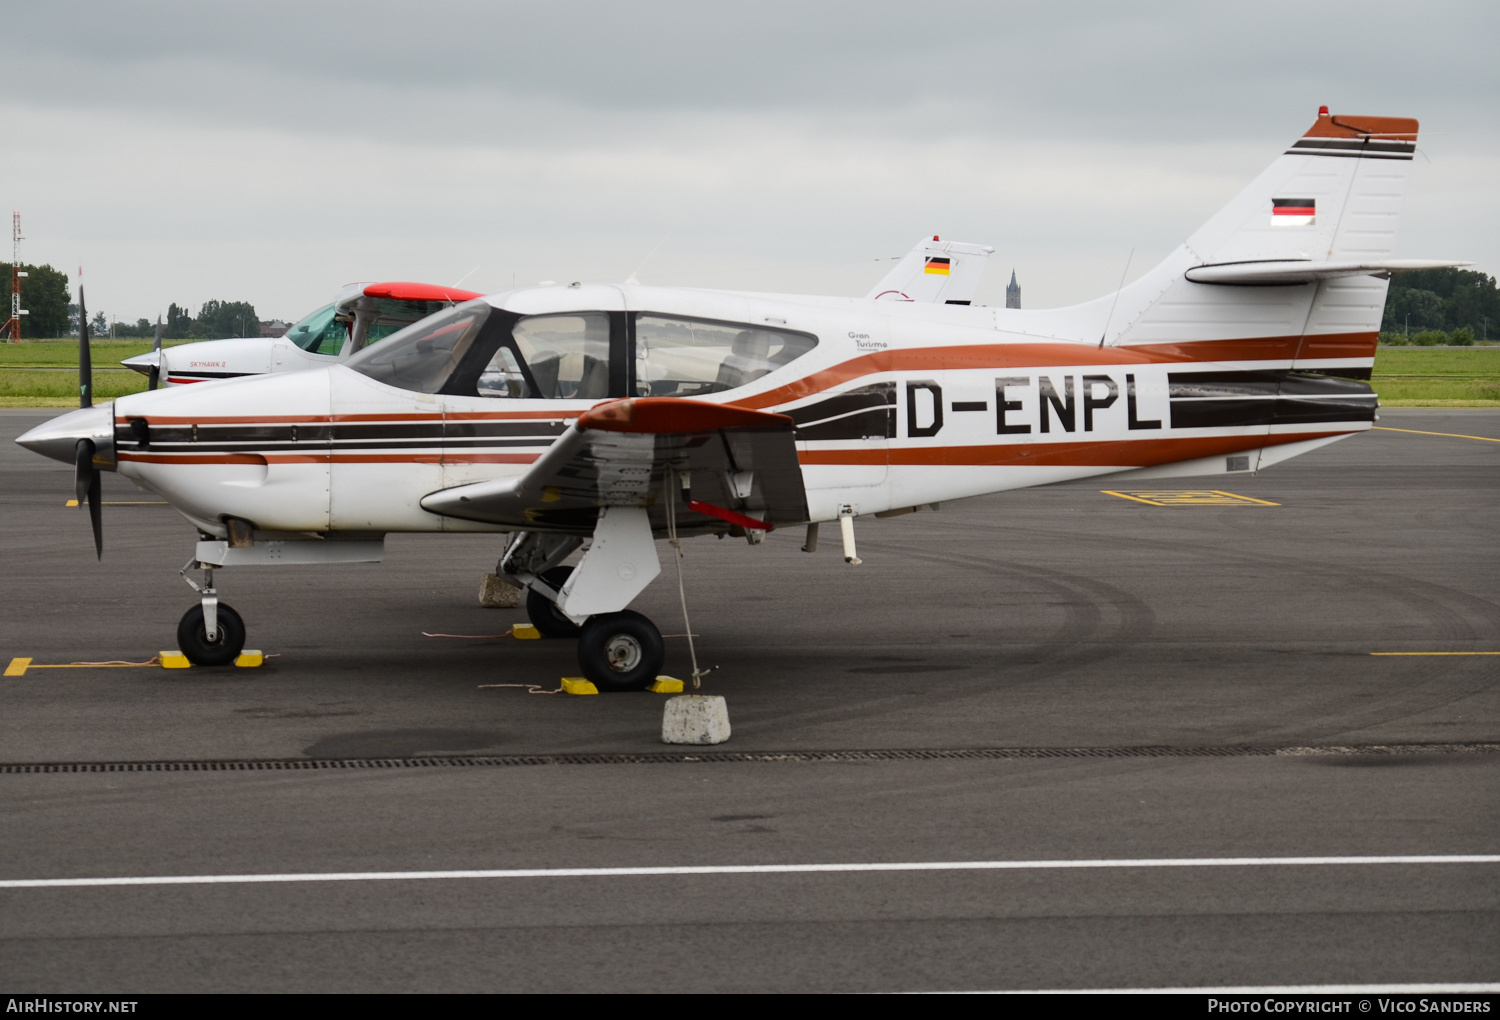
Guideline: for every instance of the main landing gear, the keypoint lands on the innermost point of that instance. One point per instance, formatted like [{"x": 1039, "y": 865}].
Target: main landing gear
[
  {"x": 210, "y": 633},
  {"x": 543, "y": 612},
  {"x": 618, "y": 650}
]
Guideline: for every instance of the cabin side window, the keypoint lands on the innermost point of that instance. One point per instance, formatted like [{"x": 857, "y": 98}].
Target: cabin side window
[{"x": 681, "y": 357}]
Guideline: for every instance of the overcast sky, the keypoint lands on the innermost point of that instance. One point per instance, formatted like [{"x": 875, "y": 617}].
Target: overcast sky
[{"x": 272, "y": 152}]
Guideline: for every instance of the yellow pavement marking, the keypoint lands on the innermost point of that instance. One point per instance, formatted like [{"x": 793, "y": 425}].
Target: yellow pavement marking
[
  {"x": 1435, "y": 653},
  {"x": 124, "y": 502},
  {"x": 247, "y": 659},
  {"x": 1450, "y": 435},
  {"x": 19, "y": 666},
  {"x": 1187, "y": 497}
]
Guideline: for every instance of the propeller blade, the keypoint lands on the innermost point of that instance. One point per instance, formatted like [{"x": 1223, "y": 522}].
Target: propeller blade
[
  {"x": 83, "y": 467},
  {"x": 96, "y": 511},
  {"x": 85, "y": 362},
  {"x": 89, "y": 489}
]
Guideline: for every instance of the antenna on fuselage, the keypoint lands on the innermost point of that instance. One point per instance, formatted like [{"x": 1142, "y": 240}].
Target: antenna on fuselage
[
  {"x": 631, "y": 279},
  {"x": 1116, "y": 301}
]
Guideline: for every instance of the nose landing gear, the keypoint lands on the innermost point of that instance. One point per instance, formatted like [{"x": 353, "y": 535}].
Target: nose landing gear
[
  {"x": 220, "y": 649},
  {"x": 210, "y": 633}
]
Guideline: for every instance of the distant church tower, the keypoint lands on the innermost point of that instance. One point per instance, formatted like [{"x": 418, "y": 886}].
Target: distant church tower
[{"x": 1013, "y": 292}]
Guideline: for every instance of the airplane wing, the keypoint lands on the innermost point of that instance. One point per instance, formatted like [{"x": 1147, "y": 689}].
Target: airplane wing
[
  {"x": 740, "y": 467},
  {"x": 937, "y": 272}
]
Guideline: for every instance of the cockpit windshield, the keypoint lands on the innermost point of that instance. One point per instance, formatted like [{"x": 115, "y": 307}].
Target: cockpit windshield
[
  {"x": 319, "y": 332},
  {"x": 422, "y": 356}
]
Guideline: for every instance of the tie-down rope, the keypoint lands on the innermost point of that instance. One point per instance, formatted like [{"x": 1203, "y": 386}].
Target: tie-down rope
[{"x": 676, "y": 543}]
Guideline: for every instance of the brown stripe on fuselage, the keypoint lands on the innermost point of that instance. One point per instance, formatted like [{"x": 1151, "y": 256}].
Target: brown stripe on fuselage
[
  {"x": 1101, "y": 453},
  {"x": 299, "y": 419}
]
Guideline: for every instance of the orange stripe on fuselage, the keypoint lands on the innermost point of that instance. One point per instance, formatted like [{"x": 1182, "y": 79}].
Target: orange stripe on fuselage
[
  {"x": 1004, "y": 357},
  {"x": 337, "y": 458}
]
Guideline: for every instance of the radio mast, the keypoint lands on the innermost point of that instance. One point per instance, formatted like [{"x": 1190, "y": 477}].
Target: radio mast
[{"x": 15, "y": 278}]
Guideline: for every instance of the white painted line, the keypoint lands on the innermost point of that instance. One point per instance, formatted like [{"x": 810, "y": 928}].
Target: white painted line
[
  {"x": 744, "y": 869},
  {"x": 1449, "y": 989}
]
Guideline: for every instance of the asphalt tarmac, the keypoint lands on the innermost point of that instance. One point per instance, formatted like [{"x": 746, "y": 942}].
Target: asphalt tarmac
[{"x": 1105, "y": 680}]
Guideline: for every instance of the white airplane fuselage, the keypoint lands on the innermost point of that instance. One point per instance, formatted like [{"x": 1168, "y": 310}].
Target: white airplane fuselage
[{"x": 972, "y": 408}]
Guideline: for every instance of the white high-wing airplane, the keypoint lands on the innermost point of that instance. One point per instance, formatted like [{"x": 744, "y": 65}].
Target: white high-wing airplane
[
  {"x": 941, "y": 272},
  {"x": 361, "y": 314},
  {"x": 615, "y": 415}
]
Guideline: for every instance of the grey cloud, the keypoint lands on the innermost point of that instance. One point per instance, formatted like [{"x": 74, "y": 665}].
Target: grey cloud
[{"x": 1037, "y": 69}]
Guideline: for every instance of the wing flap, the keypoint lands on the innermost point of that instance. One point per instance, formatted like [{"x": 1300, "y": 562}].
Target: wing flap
[{"x": 619, "y": 453}]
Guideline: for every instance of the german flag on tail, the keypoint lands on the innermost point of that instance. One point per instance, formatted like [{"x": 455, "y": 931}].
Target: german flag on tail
[
  {"x": 1293, "y": 212},
  {"x": 937, "y": 266}
]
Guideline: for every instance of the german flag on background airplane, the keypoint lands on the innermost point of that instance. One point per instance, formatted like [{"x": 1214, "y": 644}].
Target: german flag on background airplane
[
  {"x": 1293, "y": 212},
  {"x": 937, "y": 266}
]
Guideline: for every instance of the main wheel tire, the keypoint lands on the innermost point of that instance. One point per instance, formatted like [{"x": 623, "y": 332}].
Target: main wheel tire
[
  {"x": 620, "y": 651},
  {"x": 543, "y": 612},
  {"x": 203, "y": 649}
]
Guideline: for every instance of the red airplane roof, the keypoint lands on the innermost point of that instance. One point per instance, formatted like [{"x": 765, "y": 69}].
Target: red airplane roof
[{"x": 419, "y": 292}]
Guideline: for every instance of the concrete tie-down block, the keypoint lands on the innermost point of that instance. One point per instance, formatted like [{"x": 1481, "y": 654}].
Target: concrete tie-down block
[
  {"x": 695, "y": 719},
  {"x": 495, "y": 592}
]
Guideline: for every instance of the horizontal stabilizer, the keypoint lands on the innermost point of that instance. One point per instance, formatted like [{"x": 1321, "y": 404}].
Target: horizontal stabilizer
[
  {"x": 732, "y": 459},
  {"x": 1285, "y": 271}
]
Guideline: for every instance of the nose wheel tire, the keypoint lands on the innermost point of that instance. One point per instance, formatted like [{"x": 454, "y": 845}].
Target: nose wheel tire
[
  {"x": 620, "y": 651},
  {"x": 544, "y": 615},
  {"x": 219, "y": 649}
]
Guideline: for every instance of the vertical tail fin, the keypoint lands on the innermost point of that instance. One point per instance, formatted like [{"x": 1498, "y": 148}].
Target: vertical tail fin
[
  {"x": 937, "y": 272},
  {"x": 1295, "y": 267}
]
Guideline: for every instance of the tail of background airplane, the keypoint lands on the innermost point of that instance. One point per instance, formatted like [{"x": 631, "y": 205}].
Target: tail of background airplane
[
  {"x": 935, "y": 272},
  {"x": 1295, "y": 267}
]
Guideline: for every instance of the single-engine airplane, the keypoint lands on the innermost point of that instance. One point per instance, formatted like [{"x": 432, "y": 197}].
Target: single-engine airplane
[
  {"x": 618, "y": 415},
  {"x": 361, "y": 314}
]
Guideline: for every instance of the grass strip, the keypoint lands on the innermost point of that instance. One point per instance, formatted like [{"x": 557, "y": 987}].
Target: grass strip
[{"x": 1404, "y": 377}]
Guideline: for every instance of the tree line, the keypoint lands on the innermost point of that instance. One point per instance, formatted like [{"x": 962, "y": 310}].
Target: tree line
[
  {"x": 1439, "y": 307},
  {"x": 1429, "y": 307},
  {"x": 51, "y": 312}
]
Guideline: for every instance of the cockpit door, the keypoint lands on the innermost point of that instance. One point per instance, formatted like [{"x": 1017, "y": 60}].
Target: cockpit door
[{"x": 538, "y": 374}]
